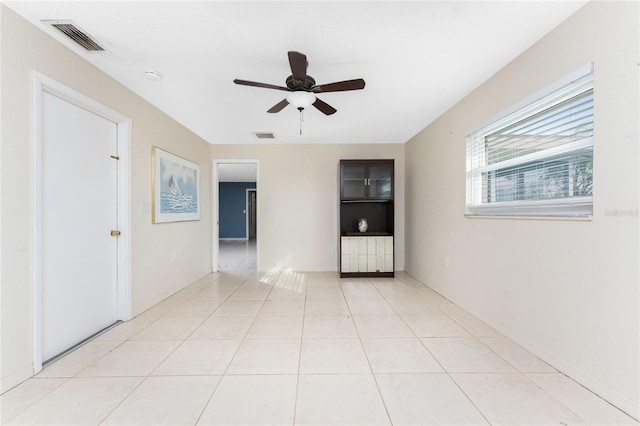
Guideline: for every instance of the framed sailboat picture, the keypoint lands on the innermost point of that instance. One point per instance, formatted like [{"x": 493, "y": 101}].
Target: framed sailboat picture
[{"x": 176, "y": 188}]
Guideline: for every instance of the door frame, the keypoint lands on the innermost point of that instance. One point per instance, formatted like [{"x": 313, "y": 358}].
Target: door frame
[
  {"x": 42, "y": 84},
  {"x": 247, "y": 191},
  {"x": 215, "y": 201}
]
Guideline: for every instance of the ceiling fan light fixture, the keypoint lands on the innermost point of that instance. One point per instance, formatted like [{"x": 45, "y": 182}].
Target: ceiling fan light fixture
[{"x": 301, "y": 99}]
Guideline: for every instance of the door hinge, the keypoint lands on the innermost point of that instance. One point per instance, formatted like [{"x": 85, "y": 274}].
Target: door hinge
[
  {"x": 115, "y": 157},
  {"x": 115, "y": 233}
]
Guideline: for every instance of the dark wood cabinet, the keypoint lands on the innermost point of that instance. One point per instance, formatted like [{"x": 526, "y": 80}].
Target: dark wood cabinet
[
  {"x": 366, "y": 192},
  {"x": 366, "y": 180}
]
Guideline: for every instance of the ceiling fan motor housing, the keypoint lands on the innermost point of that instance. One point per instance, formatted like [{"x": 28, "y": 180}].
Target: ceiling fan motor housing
[{"x": 305, "y": 85}]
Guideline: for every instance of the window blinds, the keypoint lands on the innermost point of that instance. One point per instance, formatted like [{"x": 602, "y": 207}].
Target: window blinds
[{"x": 540, "y": 152}]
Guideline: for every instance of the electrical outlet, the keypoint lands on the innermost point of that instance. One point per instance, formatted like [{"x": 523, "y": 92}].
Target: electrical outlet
[
  {"x": 446, "y": 262},
  {"x": 173, "y": 256}
]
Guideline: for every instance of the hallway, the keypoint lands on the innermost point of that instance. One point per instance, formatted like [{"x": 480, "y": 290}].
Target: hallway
[
  {"x": 282, "y": 347},
  {"x": 237, "y": 255}
]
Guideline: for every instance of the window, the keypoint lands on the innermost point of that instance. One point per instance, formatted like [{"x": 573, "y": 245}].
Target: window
[{"x": 538, "y": 160}]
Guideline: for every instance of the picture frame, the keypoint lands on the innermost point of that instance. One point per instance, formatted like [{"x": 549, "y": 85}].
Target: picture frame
[{"x": 175, "y": 194}]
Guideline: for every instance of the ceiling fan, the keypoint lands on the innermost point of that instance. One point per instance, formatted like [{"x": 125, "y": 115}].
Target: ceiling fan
[{"x": 303, "y": 88}]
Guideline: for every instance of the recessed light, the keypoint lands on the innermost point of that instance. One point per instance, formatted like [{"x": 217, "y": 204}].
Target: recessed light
[{"x": 152, "y": 75}]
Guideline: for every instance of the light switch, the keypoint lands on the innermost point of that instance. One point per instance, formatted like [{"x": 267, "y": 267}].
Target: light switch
[{"x": 145, "y": 207}]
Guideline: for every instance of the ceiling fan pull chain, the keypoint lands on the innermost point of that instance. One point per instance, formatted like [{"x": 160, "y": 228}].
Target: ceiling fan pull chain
[{"x": 301, "y": 119}]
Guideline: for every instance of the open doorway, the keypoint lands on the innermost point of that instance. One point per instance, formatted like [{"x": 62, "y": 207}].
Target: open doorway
[{"x": 235, "y": 215}]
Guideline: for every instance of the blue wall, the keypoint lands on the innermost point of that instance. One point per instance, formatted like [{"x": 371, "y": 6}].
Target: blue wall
[{"x": 233, "y": 200}]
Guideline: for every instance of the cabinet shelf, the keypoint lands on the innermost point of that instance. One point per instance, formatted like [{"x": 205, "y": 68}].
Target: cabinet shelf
[{"x": 371, "y": 200}]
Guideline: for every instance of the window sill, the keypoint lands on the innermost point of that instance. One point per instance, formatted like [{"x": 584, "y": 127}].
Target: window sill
[
  {"x": 560, "y": 209},
  {"x": 587, "y": 218}
]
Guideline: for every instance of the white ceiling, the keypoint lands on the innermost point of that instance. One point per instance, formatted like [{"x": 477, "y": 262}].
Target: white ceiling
[{"x": 418, "y": 58}]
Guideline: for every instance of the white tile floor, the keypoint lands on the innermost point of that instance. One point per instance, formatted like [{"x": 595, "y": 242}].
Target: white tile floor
[{"x": 239, "y": 347}]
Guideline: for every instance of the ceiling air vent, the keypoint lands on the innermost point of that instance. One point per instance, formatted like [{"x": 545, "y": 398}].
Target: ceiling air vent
[
  {"x": 263, "y": 135},
  {"x": 76, "y": 34}
]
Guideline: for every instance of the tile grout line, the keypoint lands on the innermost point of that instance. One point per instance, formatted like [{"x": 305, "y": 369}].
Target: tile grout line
[
  {"x": 224, "y": 373},
  {"x": 144, "y": 378},
  {"x": 373, "y": 375},
  {"x": 66, "y": 380},
  {"x": 77, "y": 375},
  {"x": 304, "y": 311},
  {"x": 444, "y": 370},
  {"x": 448, "y": 313}
]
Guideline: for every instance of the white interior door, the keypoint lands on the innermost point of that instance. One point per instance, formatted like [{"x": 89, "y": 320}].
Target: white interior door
[{"x": 79, "y": 255}]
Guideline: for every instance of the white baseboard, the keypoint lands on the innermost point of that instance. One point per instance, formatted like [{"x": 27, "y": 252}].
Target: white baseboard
[
  {"x": 168, "y": 293},
  {"x": 16, "y": 378},
  {"x": 604, "y": 391}
]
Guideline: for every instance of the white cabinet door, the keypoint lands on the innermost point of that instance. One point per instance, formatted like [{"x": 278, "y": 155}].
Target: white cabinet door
[
  {"x": 366, "y": 254},
  {"x": 353, "y": 246},
  {"x": 388, "y": 263},
  {"x": 362, "y": 263},
  {"x": 388, "y": 245},
  {"x": 345, "y": 251},
  {"x": 371, "y": 255},
  {"x": 371, "y": 246},
  {"x": 371, "y": 263},
  {"x": 353, "y": 263},
  {"x": 384, "y": 254},
  {"x": 388, "y": 254},
  {"x": 344, "y": 245},
  {"x": 346, "y": 263},
  {"x": 362, "y": 245}
]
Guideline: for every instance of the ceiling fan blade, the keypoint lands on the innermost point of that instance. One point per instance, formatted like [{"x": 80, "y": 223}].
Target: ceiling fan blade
[
  {"x": 256, "y": 84},
  {"x": 278, "y": 107},
  {"x": 340, "y": 86},
  {"x": 324, "y": 107},
  {"x": 298, "y": 63}
]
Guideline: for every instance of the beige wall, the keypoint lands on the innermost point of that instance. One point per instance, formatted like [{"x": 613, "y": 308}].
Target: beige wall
[
  {"x": 298, "y": 200},
  {"x": 23, "y": 50},
  {"x": 567, "y": 290}
]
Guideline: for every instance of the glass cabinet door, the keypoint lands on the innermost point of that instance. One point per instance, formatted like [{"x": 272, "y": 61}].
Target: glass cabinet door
[
  {"x": 353, "y": 181},
  {"x": 380, "y": 181}
]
